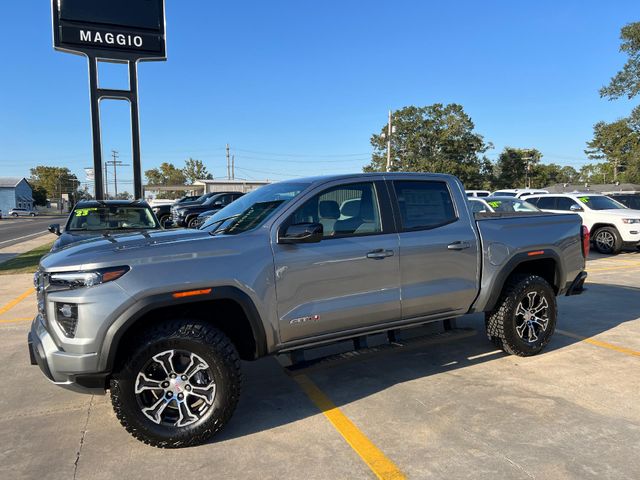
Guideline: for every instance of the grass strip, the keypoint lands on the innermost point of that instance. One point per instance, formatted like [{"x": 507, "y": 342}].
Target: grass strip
[{"x": 26, "y": 262}]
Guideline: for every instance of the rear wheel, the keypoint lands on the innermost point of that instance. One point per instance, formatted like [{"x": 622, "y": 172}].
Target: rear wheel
[
  {"x": 180, "y": 385},
  {"x": 163, "y": 219},
  {"x": 525, "y": 317},
  {"x": 607, "y": 240}
]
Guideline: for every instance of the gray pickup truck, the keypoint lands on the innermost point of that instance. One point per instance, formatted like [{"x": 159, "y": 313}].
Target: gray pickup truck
[{"x": 162, "y": 319}]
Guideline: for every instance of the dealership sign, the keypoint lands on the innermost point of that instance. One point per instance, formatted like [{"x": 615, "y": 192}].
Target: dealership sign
[
  {"x": 110, "y": 29},
  {"x": 120, "y": 31}
]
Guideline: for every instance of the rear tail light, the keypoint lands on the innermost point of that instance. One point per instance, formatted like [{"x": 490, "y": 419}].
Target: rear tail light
[{"x": 586, "y": 240}]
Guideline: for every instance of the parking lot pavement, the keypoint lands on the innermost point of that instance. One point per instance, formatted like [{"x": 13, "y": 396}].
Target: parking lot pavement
[{"x": 450, "y": 410}]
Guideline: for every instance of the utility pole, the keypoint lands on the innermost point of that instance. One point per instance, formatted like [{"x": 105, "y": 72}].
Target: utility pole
[
  {"x": 114, "y": 155},
  {"x": 527, "y": 179},
  {"x": 116, "y": 163},
  {"x": 233, "y": 167},
  {"x": 390, "y": 129},
  {"x": 106, "y": 183},
  {"x": 228, "y": 164}
]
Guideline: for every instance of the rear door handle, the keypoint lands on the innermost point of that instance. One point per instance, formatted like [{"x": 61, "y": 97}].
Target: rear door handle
[
  {"x": 380, "y": 253},
  {"x": 458, "y": 245}
]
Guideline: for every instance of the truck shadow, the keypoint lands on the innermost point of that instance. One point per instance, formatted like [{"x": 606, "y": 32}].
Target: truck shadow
[{"x": 271, "y": 398}]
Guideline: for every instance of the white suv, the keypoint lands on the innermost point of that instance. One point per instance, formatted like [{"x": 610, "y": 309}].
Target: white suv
[{"x": 612, "y": 225}]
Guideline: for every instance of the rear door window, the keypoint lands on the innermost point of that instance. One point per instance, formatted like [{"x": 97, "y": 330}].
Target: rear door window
[
  {"x": 546, "y": 203},
  {"x": 424, "y": 204}
]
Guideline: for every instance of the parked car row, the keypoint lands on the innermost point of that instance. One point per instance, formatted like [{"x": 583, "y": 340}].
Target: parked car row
[
  {"x": 186, "y": 214},
  {"x": 613, "y": 220}
]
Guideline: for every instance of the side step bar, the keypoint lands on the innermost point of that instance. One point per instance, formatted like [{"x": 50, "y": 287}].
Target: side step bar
[{"x": 299, "y": 365}]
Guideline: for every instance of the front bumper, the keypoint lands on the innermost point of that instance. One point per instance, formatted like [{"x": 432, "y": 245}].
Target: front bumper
[{"x": 75, "y": 372}]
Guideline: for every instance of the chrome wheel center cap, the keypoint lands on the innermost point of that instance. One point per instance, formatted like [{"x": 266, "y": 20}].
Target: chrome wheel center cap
[{"x": 176, "y": 385}]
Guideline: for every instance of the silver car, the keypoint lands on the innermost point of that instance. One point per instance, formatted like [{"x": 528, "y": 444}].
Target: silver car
[{"x": 22, "y": 212}]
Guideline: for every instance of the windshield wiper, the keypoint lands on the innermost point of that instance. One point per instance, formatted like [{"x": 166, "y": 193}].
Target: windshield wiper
[{"x": 220, "y": 222}]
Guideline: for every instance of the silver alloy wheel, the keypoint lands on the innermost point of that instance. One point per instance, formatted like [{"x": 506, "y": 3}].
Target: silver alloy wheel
[
  {"x": 175, "y": 388},
  {"x": 532, "y": 317},
  {"x": 605, "y": 240}
]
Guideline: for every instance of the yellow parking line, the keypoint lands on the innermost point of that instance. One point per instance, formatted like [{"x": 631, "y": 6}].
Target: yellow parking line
[
  {"x": 16, "y": 320},
  {"x": 16, "y": 301},
  {"x": 377, "y": 461},
  {"x": 600, "y": 343},
  {"x": 619, "y": 267}
]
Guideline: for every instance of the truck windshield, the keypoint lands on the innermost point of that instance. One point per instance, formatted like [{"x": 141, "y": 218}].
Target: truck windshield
[
  {"x": 600, "y": 202},
  {"x": 111, "y": 218},
  {"x": 251, "y": 210}
]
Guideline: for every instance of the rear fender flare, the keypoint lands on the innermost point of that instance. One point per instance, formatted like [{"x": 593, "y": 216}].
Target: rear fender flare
[{"x": 512, "y": 264}]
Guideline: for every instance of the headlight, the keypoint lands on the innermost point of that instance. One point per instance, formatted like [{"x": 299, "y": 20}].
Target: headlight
[
  {"x": 86, "y": 279},
  {"x": 631, "y": 220}
]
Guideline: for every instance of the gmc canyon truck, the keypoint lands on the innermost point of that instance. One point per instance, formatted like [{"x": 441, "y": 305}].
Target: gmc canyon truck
[{"x": 162, "y": 319}]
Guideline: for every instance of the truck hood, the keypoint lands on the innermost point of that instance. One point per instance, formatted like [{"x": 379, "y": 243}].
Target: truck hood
[{"x": 133, "y": 248}]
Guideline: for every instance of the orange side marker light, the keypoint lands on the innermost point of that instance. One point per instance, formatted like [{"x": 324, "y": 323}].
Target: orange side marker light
[{"x": 192, "y": 293}]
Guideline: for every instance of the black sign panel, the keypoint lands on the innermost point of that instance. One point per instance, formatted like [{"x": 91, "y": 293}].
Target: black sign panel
[{"x": 110, "y": 29}]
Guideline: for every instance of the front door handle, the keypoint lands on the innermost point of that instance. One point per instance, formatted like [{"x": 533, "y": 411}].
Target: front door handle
[
  {"x": 458, "y": 245},
  {"x": 380, "y": 253}
]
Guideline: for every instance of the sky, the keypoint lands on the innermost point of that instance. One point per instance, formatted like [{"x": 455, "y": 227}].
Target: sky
[{"x": 297, "y": 88}]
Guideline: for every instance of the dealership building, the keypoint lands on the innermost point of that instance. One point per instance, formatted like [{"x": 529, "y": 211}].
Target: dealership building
[{"x": 15, "y": 192}]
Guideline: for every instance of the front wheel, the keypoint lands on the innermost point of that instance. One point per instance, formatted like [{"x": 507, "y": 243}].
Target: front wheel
[
  {"x": 193, "y": 222},
  {"x": 14, "y": 214},
  {"x": 180, "y": 385},
  {"x": 524, "y": 319},
  {"x": 32, "y": 214}
]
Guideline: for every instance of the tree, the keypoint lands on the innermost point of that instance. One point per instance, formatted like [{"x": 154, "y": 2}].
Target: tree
[
  {"x": 545, "y": 175},
  {"x": 515, "y": 167},
  {"x": 167, "y": 174},
  {"x": 52, "y": 182},
  {"x": 436, "y": 138},
  {"x": 596, "y": 173},
  {"x": 627, "y": 81},
  {"x": 39, "y": 196},
  {"x": 124, "y": 196},
  {"x": 195, "y": 170},
  {"x": 618, "y": 143}
]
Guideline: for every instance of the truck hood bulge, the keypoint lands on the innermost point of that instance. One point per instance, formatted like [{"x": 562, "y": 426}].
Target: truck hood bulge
[{"x": 134, "y": 248}]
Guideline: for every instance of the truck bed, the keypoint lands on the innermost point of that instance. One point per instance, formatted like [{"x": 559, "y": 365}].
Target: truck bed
[{"x": 552, "y": 240}]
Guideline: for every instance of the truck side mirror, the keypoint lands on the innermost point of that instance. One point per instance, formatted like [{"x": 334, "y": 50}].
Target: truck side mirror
[
  {"x": 302, "y": 233},
  {"x": 55, "y": 229},
  {"x": 576, "y": 208}
]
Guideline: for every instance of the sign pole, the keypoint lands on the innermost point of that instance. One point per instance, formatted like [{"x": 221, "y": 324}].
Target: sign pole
[
  {"x": 95, "y": 127},
  {"x": 135, "y": 129}
]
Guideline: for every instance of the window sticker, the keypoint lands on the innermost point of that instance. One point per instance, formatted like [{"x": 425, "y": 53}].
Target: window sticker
[
  {"x": 495, "y": 203},
  {"x": 83, "y": 212},
  {"x": 584, "y": 199}
]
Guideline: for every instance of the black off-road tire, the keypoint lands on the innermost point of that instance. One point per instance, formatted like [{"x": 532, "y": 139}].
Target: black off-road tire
[
  {"x": 501, "y": 322},
  {"x": 612, "y": 234},
  {"x": 194, "y": 336},
  {"x": 163, "y": 218}
]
